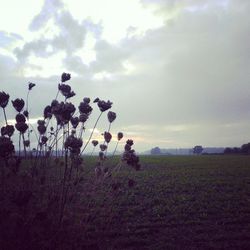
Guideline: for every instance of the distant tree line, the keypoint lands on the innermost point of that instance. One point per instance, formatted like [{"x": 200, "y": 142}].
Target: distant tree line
[
  {"x": 244, "y": 149},
  {"x": 156, "y": 151}
]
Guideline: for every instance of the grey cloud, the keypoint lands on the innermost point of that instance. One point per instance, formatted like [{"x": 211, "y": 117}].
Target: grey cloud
[
  {"x": 194, "y": 70},
  {"x": 109, "y": 57},
  {"x": 49, "y": 10},
  {"x": 6, "y": 38},
  {"x": 36, "y": 47}
]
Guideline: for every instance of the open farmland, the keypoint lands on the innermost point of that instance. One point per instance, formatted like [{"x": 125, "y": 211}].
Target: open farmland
[
  {"x": 182, "y": 202},
  {"x": 178, "y": 202}
]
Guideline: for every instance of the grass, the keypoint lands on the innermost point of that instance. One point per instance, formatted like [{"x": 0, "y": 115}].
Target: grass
[
  {"x": 182, "y": 202},
  {"x": 178, "y": 202}
]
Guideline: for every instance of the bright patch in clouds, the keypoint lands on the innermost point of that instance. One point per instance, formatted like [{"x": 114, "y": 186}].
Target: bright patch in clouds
[
  {"x": 15, "y": 16},
  {"x": 102, "y": 76},
  {"x": 116, "y": 16},
  {"x": 87, "y": 53},
  {"x": 48, "y": 66}
]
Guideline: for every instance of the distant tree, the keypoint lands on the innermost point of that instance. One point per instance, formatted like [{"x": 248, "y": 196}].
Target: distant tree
[
  {"x": 236, "y": 150},
  {"x": 228, "y": 150},
  {"x": 245, "y": 148},
  {"x": 197, "y": 149},
  {"x": 155, "y": 151}
]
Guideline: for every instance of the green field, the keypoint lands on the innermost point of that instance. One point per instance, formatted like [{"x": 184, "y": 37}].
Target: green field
[
  {"x": 178, "y": 202},
  {"x": 182, "y": 202}
]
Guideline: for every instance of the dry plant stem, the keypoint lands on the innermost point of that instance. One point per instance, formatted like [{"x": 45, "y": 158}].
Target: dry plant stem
[
  {"x": 115, "y": 148},
  {"x": 81, "y": 130},
  {"x": 19, "y": 144},
  {"x": 92, "y": 151},
  {"x": 106, "y": 151},
  {"x": 56, "y": 141},
  {"x": 37, "y": 147},
  {"x": 63, "y": 193},
  {"x": 34, "y": 131},
  {"x": 3, "y": 175},
  {"x": 5, "y": 117},
  {"x": 57, "y": 94},
  {"x": 27, "y": 108},
  {"x": 92, "y": 132},
  {"x": 24, "y": 148}
]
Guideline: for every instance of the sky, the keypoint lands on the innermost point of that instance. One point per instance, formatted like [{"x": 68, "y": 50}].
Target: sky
[{"x": 176, "y": 71}]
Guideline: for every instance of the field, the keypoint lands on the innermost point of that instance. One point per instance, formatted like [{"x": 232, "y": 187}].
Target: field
[
  {"x": 182, "y": 202},
  {"x": 178, "y": 202}
]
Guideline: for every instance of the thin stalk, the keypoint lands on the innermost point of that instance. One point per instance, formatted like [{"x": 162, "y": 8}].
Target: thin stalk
[
  {"x": 19, "y": 144},
  {"x": 91, "y": 133},
  {"x": 106, "y": 151},
  {"x": 92, "y": 151},
  {"x": 57, "y": 94},
  {"x": 24, "y": 146},
  {"x": 5, "y": 117},
  {"x": 115, "y": 148}
]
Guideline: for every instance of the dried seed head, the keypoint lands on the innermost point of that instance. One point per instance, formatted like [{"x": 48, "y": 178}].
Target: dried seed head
[
  {"x": 26, "y": 113},
  {"x": 107, "y": 136},
  {"x": 127, "y": 147},
  {"x": 7, "y": 130},
  {"x": 83, "y": 118},
  {"x": 18, "y": 104},
  {"x": 103, "y": 105},
  {"x": 65, "y": 89},
  {"x": 65, "y": 77},
  {"x": 47, "y": 112},
  {"x": 130, "y": 142},
  {"x": 41, "y": 122},
  {"x": 96, "y": 100},
  {"x": 54, "y": 103},
  {"x": 4, "y": 99},
  {"x": 41, "y": 129},
  {"x": 101, "y": 155},
  {"x": 95, "y": 143},
  {"x": 85, "y": 108},
  {"x": 31, "y": 85},
  {"x": 111, "y": 116},
  {"x": 119, "y": 136},
  {"x": 74, "y": 121},
  {"x": 6, "y": 146},
  {"x": 103, "y": 147},
  {"x": 86, "y": 100},
  {"x": 21, "y": 127},
  {"x": 44, "y": 139},
  {"x": 74, "y": 144},
  {"x": 20, "y": 118}
]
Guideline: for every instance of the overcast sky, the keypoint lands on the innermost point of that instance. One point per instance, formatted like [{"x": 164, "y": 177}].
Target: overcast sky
[{"x": 177, "y": 71}]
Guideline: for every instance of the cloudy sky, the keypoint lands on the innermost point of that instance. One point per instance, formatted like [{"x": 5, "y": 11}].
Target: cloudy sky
[{"x": 177, "y": 71}]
